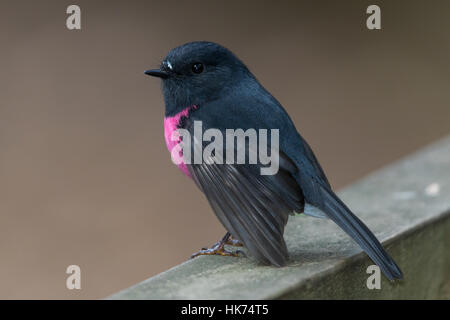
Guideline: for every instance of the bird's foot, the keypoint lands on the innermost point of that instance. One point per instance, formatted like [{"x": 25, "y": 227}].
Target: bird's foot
[
  {"x": 215, "y": 250},
  {"x": 219, "y": 248}
]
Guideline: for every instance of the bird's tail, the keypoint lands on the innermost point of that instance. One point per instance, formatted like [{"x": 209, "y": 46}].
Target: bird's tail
[{"x": 355, "y": 228}]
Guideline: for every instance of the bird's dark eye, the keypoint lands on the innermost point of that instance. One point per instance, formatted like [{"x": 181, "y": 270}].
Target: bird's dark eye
[{"x": 197, "y": 67}]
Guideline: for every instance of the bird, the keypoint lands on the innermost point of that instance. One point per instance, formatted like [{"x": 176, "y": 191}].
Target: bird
[{"x": 205, "y": 82}]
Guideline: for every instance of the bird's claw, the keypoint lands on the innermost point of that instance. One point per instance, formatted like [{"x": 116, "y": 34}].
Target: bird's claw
[
  {"x": 216, "y": 250},
  {"x": 219, "y": 249},
  {"x": 234, "y": 242}
]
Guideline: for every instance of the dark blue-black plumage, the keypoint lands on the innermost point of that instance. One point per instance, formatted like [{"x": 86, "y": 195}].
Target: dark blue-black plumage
[{"x": 254, "y": 208}]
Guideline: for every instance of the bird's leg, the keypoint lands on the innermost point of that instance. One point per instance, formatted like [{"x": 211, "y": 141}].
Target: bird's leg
[{"x": 218, "y": 248}]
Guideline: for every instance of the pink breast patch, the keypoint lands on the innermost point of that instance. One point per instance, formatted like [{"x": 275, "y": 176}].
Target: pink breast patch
[{"x": 170, "y": 125}]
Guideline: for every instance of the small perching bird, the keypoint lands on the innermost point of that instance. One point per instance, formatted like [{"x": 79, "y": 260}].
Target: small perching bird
[{"x": 203, "y": 81}]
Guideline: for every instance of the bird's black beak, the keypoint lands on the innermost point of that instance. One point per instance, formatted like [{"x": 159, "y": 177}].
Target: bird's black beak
[{"x": 157, "y": 73}]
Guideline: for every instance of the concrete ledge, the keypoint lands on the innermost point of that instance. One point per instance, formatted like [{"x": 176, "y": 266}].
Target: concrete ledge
[{"x": 407, "y": 206}]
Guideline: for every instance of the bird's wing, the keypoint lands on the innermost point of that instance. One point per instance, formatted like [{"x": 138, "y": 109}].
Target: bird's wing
[
  {"x": 253, "y": 207},
  {"x": 311, "y": 158}
]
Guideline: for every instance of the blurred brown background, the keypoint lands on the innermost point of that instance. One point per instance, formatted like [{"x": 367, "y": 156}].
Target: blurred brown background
[{"x": 85, "y": 177}]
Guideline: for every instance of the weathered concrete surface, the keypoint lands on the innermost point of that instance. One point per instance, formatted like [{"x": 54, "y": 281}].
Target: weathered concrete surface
[{"x": 407, "y": 206}]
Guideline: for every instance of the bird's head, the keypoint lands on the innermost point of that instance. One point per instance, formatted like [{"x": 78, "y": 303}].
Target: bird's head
[{"x": 197, "y": 72}]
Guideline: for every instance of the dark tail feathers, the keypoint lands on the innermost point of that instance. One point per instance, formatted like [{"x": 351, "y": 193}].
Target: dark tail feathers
[{"x": 355, "y": 228}]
